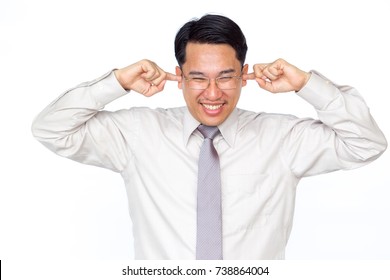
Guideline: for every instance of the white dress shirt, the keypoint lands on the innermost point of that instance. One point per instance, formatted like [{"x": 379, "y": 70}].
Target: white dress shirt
[{"x": 262, "y": 157}]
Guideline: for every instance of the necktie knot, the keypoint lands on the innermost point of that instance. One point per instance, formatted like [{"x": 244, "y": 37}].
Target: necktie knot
[{"x": 208, "y": 131}]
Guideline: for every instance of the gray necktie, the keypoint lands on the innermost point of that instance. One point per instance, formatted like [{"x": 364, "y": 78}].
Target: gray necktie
[{"x": 209, "y": 219}]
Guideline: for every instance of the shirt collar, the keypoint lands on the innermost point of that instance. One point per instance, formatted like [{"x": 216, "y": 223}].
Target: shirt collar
[{"x": 228, "y": 128}]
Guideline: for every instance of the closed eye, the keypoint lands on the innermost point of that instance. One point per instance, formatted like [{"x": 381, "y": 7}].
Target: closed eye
[
  {"x": 199, "y": 79},
  {"x": 225, "y": 79}
]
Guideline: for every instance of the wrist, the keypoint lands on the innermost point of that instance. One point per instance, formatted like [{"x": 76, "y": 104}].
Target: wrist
[
  {"x": 304, "y": 80},
  {"x": 118, "y": 76}
]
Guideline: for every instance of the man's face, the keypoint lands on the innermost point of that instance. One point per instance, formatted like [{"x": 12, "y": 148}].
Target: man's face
[{"x": 211, "y": 106}]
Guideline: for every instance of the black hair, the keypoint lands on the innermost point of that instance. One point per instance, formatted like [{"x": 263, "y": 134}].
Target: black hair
[{"x": 210, "y": 29}]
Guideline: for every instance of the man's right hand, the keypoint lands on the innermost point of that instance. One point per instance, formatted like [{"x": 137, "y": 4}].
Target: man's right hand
[{"x": 144, "y": 77}]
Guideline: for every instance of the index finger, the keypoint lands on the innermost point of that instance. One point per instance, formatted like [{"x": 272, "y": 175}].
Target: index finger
[
  {"x": 172, "y": 77},
  {"x": 259, "y": 68},
  {"x": 250, "y": 76}
]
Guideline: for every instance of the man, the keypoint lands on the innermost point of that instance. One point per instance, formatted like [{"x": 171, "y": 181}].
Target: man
[{"x": 258, "y": 159}]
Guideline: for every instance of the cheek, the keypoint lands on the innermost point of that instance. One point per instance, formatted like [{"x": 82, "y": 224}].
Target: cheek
[
  {"x": 234, "y": 98},
  {"x": 191, "y": 100}
]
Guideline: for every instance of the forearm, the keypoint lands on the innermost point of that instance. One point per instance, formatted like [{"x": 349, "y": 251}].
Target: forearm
[
  {"x": 358, "y": 139},
  {"x": 69, "y": 122},
  {"x": 75, "y": 107}
]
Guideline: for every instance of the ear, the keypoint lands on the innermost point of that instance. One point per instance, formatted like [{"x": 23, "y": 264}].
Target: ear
[
  {"x": 244, "y": 71},
  {"x": 179, "y": 73}
]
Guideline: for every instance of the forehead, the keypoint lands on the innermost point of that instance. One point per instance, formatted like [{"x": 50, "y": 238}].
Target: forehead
[{"x": 210, "y": 58}]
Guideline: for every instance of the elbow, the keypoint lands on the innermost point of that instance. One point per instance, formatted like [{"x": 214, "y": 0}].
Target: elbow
[
  {"x": 374, "y": 144},
  {"x": 380, "y": 144},
  {"x": 361, "y": 151},
  {"x": 375, "y": 150},
  {"x": 38, "y": 129},
  {"x": 44, "y": 131},
  {"x": 35, "y": 128},
  {"x": 383, "y": 146}
]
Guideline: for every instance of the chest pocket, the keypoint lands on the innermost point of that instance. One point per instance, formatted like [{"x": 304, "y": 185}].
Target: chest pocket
[{"x": 246, "y": 199}]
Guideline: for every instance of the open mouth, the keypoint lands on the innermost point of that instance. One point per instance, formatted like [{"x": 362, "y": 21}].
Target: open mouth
[{"x": 212, "y": 107}]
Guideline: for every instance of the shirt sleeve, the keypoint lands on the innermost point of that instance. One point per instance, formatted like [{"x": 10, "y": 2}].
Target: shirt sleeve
[
  {"x": 345, "y": 136},
  {"x": 75, "y": 125}
]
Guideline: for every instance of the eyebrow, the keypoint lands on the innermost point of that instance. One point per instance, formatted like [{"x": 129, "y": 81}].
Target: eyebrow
[{"x": 227, "y": 71}]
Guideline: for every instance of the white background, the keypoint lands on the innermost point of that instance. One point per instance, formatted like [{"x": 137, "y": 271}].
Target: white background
[{"x": 54, "y": 208}]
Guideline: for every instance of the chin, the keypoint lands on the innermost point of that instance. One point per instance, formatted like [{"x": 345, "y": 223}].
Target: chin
[{"x": 211, "y": 122}]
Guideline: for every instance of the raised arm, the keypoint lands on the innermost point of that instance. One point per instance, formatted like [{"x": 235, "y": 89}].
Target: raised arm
[
  {"x": 75, "y": 125},
  {"x": 345, "y": 136}
]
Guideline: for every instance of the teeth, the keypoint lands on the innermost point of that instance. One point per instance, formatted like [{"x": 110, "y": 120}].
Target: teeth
[{"x": 212, "y": 107}]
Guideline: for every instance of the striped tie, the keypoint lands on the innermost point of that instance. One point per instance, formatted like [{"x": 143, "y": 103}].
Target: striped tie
[{"x": 209, "y": 219}]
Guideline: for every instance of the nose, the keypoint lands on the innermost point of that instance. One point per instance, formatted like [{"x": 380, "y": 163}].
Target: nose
[{"x": 212, "y": 93}]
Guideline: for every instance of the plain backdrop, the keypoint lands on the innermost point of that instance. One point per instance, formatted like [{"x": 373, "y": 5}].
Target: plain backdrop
[{"x": 51, "y": 207}]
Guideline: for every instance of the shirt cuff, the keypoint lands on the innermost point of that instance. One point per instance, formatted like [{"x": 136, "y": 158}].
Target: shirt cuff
[
  {"x": 106, "y": 88},
  {"x": 319, "y": 91}
]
